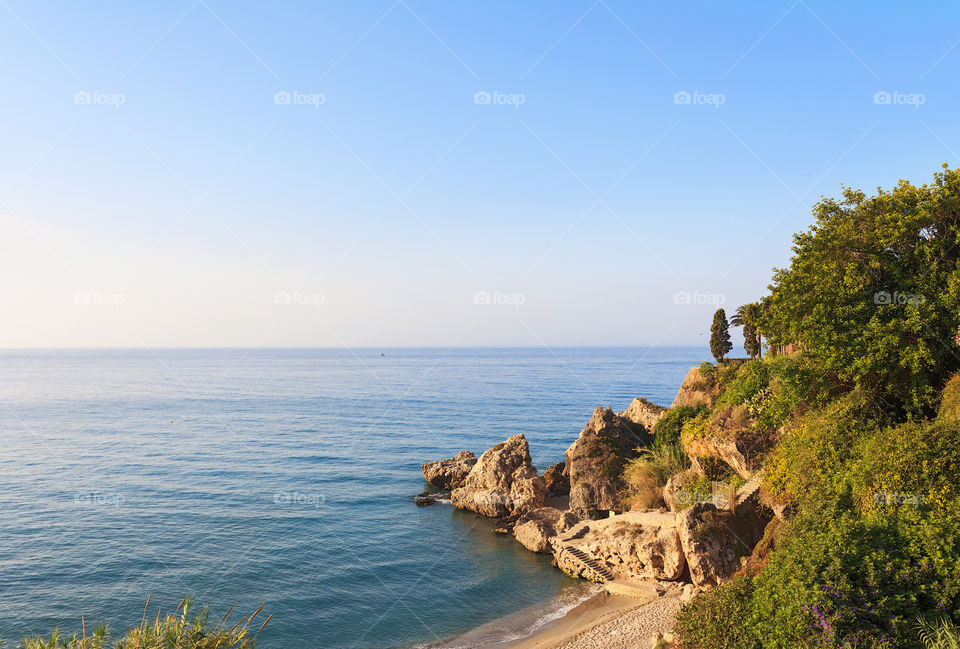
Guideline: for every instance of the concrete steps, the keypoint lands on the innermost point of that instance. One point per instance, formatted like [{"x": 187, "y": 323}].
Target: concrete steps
[
  {"x": 590, "y": 562},
  {"x": 751, "y": 487}
]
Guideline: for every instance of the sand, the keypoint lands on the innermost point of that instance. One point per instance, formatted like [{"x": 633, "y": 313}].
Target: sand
[{"x": 608, "y": 622}]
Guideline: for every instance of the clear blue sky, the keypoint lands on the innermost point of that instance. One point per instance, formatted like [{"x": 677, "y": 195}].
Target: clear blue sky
[{"x": 176, "y": 203}]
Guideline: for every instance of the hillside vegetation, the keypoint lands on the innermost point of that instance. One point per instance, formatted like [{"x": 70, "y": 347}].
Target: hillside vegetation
[{"x": 856, "y": 430}]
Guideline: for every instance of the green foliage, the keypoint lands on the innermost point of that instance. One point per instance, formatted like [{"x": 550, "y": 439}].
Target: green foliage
[
  {"x": 167, "y": 632},
  {"x": 720, "y": 344},
  {"x": 749, "y": 316},
  {"x": 950, "y": 400},
  {"x": 939, "y": 634},
  {"x": 710, "y": 621},
  {"x": 667, "y": 429},
  {"x": 838, "y": 579},
  {"x": 751, "y": 340},
  {"x": 648, "y": 473},
  {"x": 915, "y": 465},
  {"x": 873, "y": 291},
  {"x": 749, "y": 379},
  {"x": 708, "y": 370}
]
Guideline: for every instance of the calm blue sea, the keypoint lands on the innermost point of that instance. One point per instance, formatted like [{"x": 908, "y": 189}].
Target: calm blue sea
[{"x": 286, "y": 477}]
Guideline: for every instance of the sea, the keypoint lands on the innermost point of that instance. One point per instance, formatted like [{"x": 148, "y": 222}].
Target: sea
[{"x": 286, "y": 477}]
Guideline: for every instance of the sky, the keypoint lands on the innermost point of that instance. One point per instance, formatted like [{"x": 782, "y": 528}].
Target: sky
[{"x": 203, "y": 173}]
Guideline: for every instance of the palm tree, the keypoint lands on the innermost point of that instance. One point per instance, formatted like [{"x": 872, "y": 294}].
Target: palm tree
[{"x": 748, "y": 316}]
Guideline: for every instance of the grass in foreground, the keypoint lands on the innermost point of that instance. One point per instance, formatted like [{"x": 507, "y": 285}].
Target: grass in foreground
[{"x": 171, "y": 631}]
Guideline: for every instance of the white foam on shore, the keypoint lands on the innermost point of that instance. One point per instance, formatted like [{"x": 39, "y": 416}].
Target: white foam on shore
[{"x": 505, "y": 631}]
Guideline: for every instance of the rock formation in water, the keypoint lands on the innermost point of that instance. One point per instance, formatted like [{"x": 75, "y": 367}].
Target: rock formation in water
[
  {"x": 503, "y": 482},
  {"x": 450, "y": 473}
]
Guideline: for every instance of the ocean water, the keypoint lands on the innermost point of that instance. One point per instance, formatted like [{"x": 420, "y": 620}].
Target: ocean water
[{"x": 286, "y": 477}]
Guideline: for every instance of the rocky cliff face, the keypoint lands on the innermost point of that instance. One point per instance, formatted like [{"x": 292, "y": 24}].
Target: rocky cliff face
[
  {"x": 643, "y": 413},
  {"x": 696, "y": 389},
  {"x": 556, "y": 479},
  {"x": 709, "y": 544},
  {"x": 503, "y": 482},
  {"x": 450, "y": 473},
  {"x": 595, "y": 462},
  {"x": 646, "y": 547}
]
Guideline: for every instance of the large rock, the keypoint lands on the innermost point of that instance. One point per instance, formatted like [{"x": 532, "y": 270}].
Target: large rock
[
  {"x": 643, "y": 413},
  {"x": 647, "y": 546},
  {"x": 503, "y": 482},
  {"x": 726, "y": 449},
  {"x": 680, "y": 493},
  {"x": 556, "y": 479},
  {"x": 450, "y": 473},
  {"x": 696, "y": 389},
  {"x": 709, "y": 544},
  {"x": 534, "y": 529},
  {"x": 596, "y": 459}
]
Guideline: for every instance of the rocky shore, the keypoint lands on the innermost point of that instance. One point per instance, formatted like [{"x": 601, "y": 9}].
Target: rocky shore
[{"x": 577, "y": 512}]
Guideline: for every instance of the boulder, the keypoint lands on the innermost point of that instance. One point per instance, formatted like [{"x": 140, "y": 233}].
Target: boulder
[
  {"x": 534, "y": 529},
  {"x": 643, "y": 413},
  {"x": 709, "y": 544},
  {"x": 556, "y": 481},
  {"x": 647, "y": 546},
  {"x": 696, "y": 389},
  {"x": 450, "y": 473},
  {"x": 595, "y": 462},
  {"x": 503, "y": 482}
]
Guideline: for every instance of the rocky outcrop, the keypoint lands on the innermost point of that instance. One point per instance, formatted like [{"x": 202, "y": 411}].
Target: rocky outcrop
[
  {"x": 643, "y": 413},
  {"x": 595, "y": 462},
  {"x": 680, "y": 493},
  {"x": 727, "y": 450},
  {"x": 428, "y": 498},
  {"x": 556, "y": 480},
  {"x": 708, "y": 543},
  {"x": 647, "y": 547},
  {"x": 503, "y": 482},
  {"x": 450, "y": 473},
  {"x": 534, "y": 529},
  {"x": 696, "y": 389}
]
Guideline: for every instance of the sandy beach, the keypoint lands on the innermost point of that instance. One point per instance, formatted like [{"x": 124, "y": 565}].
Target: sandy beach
[{"x": 608, "y": 622}]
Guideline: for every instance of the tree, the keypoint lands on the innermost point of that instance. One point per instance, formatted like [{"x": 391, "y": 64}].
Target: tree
[
  {"x": 720, "y": 344},
  {"x": 873, "y": 291},
  {"x": 749, "y": 316},
  {"x": 751, "y": 340}
]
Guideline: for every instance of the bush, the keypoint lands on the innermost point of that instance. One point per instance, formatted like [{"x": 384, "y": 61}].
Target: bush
[
  {"x": 167, "y": 632},
  {"x": 941, "y": 634},
  {"x": 841, "y": 580},
  {"x": 950, "y": 400},
  {"x": 714, "y": 619},
  {"x": 667, "y": 429},
  {"x": 647, "y": 474}
]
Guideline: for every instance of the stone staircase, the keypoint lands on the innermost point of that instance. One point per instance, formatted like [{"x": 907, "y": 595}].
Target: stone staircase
[
  {"x": 600, "y": 571},
  {"x": 751, "y": 487}
]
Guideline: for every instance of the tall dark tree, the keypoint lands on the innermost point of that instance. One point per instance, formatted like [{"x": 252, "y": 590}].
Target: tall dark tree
[
  {"x": 720, "y": 344},
  {"x": 750, "y": 315},
  {"x": 751, "y": 340}
]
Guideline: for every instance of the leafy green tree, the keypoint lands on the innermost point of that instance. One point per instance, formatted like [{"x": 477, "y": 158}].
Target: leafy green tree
[
  {"x": 751, "y": 340},
  {"x": 873, "y": 291},
  {"x": 720, "y": 344}
]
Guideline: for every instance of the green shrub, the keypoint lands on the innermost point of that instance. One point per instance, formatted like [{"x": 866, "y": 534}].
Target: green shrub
[
  {"x": 749, "y": 379},
  {"x": 715, "y": 618},
  {"x": 941, "y": 634},
  {"x": 648, "y": 473},
  {"x": 838, "y": 579},
  {"x": 950, "y": 400},
  {"x": 667, "y": 429},
  {"x": 163, "y": 632}
]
